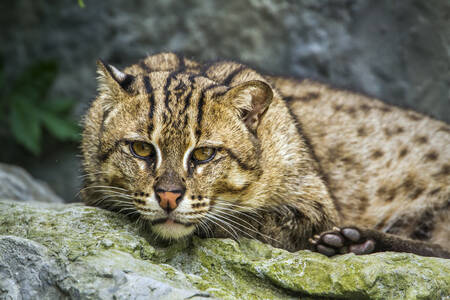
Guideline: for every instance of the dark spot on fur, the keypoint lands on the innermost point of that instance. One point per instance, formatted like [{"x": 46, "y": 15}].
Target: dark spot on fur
[
  {"x": 351, "y": 111},
  {"x": 434, "y": 191},
  {"x": 385, "y": 109},
  {"x": 199, "y": 197},
  {"x": 362, "y": 131},
  {"x": 445, "y": 171},
  {"x": 387, "y": 194},
  {"x": 399, "y": 130},
  {"x": 308, "y": 97},
  {"x": 424, "y": 226},
  {"x": 137, "y": 200},
  {"x": 377, "y": 154},
  {"x": 421, "y": 139},
  {"x": 416, "y": 193},
  {"x": 193, "y": 197},
  {"x": 403, "y": 152},
  {"x": 391, "y": 195},
  {"x": 408, "y": 184},
  {"x": 381, "y": 191},
  {"x": 432, "y": 155},
  {"x": 337, "y": 107},
  {"x": 388, "y": 164},
  {"x": 397, "y": 226},
  {"x": 387, "y": 132},
  {"x": 347, "y": 160},
  {"x": 363, "y": 202},
  {"x": 334, "y": 153},
  {"x": 414, "y": 117},
  {"x": 445, "y": 129},
  {"x": 365, "y": 107}
]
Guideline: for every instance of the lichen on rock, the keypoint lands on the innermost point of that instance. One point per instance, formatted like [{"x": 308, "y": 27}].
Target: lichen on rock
[{"x": 74, "y": 251}]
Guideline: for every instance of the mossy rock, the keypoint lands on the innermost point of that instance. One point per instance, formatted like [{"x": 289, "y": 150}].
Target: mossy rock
[{"x": 74, "y": 251}]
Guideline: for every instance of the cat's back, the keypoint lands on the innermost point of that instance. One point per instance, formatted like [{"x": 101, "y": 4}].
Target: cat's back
[{"x": 387, "y": 167}]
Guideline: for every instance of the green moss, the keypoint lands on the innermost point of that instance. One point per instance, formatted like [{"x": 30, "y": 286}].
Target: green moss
[{"x": 95, "y": 243}]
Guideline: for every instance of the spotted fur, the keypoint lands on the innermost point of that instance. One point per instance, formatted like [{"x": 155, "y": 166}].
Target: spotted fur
[{"x": 293, "y": 158}]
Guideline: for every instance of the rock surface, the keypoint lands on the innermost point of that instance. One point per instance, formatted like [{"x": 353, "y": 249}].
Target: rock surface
[
  {"x": 17, "y": 184},
  {"x": 54, "y": 251}
]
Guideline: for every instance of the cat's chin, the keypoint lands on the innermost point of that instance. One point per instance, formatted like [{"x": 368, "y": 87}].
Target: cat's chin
[{"x": 172, "y": 230}]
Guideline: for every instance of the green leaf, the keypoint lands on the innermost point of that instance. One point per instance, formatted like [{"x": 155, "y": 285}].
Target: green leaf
[
  {"x": 25, "y": 126},
  {"x": 35, "y": 81},
  {"x": 58, "y": 105},
  {"x": 65, "y": 130},
  {"x": 81, "y": 3}
]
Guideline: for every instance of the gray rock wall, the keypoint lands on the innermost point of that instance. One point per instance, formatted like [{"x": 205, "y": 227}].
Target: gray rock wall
[{"x": 395, "y": 50}]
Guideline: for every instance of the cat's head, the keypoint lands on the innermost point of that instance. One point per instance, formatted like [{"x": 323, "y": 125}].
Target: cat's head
[{"x": 174, "y": 148}]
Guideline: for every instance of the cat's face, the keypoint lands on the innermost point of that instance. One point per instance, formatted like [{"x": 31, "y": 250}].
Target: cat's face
[{"x": 175, "y": 149}]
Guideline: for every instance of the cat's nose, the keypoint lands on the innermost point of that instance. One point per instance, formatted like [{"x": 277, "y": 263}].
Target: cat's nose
[{"x": 168, "y": 200}]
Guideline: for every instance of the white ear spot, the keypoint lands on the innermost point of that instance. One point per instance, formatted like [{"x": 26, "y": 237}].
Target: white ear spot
[{"x": 120, "y": 76}]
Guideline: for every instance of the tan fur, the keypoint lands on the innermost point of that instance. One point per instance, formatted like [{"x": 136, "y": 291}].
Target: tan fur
[
  {"x": 293, "y": 158},
  {"x": 386, "y": 166}
]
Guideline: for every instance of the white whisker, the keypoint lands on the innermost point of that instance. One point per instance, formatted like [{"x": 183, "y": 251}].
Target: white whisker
[{"x": 235, "y": 235}]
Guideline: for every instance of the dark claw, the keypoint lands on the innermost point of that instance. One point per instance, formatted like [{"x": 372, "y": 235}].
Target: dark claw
[
  {"x": 351, "y": 234},
  {"x": 365, "y": 248},
  {"x": 333, "y": 240},
  {"x": 326, "y": 250}
]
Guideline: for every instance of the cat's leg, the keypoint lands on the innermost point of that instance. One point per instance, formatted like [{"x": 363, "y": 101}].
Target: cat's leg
[{"x": 365, "y": 241}]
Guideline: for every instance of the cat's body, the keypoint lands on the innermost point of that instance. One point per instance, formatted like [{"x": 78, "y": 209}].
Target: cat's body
[{"x": 286, "y": 160}]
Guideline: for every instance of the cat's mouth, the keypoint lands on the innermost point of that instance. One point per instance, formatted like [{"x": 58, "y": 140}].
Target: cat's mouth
[
  {"x": 170, "y": 221},
  {"x": 170, "y": 228}
]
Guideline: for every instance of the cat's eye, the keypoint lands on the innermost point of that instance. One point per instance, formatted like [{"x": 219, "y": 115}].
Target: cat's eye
[
  {"x": 203, "y": 154},
  {"x": 142, "y": 149}
]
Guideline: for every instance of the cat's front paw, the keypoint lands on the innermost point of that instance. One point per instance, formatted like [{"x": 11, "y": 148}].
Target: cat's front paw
[{"x": 341, "y": 241}]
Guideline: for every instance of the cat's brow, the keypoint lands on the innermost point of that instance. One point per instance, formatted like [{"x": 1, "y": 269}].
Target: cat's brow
[
  {"x": 135, "y": 137},
  {"x": 209, "y": 143}
]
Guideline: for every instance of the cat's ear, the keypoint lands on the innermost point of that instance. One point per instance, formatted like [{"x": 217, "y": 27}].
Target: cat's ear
[
  {"x": 251, "y": 99},
  {"x": 111, "y": 80}
]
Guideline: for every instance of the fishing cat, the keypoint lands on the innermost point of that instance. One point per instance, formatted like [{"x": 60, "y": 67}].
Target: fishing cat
[{"x": 223, "y": 151}]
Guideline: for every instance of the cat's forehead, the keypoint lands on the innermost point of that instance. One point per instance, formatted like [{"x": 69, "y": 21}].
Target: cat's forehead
[
  {"x": 174, "y": 107},
  {"x": 179, "y": 79}
]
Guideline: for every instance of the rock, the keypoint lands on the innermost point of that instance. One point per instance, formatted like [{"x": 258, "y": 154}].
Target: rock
[
  {"x": 395, "y": 51},
  {"x": 17, "y": 184},
  {"x": 27, "y": 270},
  {"x": 74, "y": 251}
]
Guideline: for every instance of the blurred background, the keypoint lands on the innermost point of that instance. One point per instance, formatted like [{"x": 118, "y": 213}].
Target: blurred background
[{"x": 398, "y": 51}]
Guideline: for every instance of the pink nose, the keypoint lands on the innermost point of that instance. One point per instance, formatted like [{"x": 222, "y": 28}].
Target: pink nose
[{"x": 168, "y": 200}]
